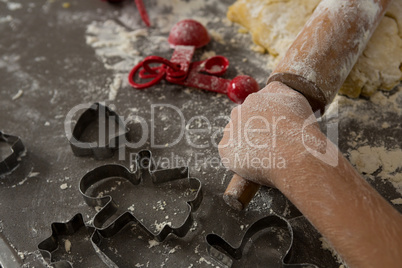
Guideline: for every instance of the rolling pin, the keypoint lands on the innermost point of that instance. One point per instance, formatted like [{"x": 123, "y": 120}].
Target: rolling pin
[{"x": 318, "y": 62}]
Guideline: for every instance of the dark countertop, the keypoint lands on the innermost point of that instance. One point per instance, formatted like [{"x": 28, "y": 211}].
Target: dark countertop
[{"x": 44, "y": 53}]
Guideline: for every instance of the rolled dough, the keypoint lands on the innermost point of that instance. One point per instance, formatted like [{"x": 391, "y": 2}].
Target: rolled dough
[{"x": 274, "y": 24}]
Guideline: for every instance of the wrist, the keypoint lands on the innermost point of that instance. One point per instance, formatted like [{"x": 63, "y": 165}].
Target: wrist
[{"x": 312, "y": 152}]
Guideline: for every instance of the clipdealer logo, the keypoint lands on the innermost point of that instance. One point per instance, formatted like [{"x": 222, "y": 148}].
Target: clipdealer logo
[
  {"x": 149, "y": 131},
  {"x": 210, "y": 131},
  {"x": 325, "y": 150}
]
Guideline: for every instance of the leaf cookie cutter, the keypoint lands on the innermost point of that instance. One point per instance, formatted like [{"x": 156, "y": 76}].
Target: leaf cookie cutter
[
  {"x": 11, "y": 162},
  {"x": 225, "y": 254},
  {"x": 102, "y": 149},
  {"x": 143, "y": 171}
]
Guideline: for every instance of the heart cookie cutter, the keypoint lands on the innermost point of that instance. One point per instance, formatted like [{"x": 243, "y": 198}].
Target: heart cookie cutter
[{"x": 106, "y": 146}]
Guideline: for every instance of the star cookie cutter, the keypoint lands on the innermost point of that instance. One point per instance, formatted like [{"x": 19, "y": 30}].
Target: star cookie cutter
[
  {"x": 103, "y": 148},
  {"x": 48, "y": 246},
  {"x": 225, "y": 254},
  {"x": 143, "y": 171},
  {"x": 51, "y": 244},
  {"x": 11, "y": 162}
]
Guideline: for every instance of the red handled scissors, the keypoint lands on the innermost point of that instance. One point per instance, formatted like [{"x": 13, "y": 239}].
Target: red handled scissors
[{"x": 185, "y": 37}]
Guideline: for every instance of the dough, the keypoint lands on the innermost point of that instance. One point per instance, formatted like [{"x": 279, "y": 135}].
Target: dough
[{"x": 274, "y": 24}]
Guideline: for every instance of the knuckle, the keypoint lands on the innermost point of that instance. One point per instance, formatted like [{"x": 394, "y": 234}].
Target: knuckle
[
  {"x": 252, "y": 99},
  {"x": 234, "y": 112},
  {"x": 267, "y": 88}
]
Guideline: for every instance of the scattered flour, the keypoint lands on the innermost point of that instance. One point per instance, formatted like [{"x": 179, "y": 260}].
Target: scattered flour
[
  {"x": 217, "y": 36},
  {"x": 116, "y": 47},
  {"x": 33, "y": 174},
  {"x": 67, "y": 246},
  {"x": 173, "y": 250},
  {"x": 208, "y": 54},
  {"x": 5, "y": 19},
  {"x": 23, "y": 181},
  {"x": 153, "y": 243},
  {"x": 159, "y": 226},
  {"x": 17, "y": 95},
  {"x": 194, "y": 227},
  {"x": 115, "y": 86},
  {"x": 98, "y": 208},
  {"x": 202, "y": 259},
  {"x": 368, "y": 160},
  {"x": 12, "y": 5},
  {"x": 160, "y": 205},
  {"x": 21, "y": 255},
  {"x": 381, "y": 157},
  {"x": 397, "y": 201}
]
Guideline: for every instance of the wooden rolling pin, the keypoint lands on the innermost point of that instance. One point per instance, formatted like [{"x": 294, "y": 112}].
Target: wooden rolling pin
[{"x": 318, "y": 62}]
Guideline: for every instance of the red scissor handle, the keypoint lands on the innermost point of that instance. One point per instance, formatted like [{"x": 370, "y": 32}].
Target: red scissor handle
[
  {"x": 160, "y": 74},
  {"x": 173, "y": 68},
  {"x": 141, "y": 8},
  {"x": 157, "y": 73},
  {"x": 143, "y": 12}
]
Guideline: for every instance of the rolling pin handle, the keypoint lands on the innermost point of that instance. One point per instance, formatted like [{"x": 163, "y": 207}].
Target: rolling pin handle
[{"x": 239, "y": 192}]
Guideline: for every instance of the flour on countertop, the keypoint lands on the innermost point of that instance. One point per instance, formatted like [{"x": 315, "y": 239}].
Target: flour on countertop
[
  {"x": 397, "y": 201},
  {"x": 12, "y": 5},
  {"x": 17, "y": 95},
  {"x": 115, "y": 86},
  {"x": 114, "y": 45},
  {"x": 5, "y": 19},
  {"x": 159, "y": 226},
  {"x": 388, "y": 162},
  {"x": 153, "y": 243},
  {"x": 207, "y": 54},
  {"x": 67, "y": 246},
  {"x": 373, "y": 158}
]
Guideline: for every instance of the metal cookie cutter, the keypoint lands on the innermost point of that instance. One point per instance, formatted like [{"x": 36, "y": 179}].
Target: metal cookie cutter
[
  {"x": 59, "y": 229},
  {"x": 11, "y": 162},
  {"x": 225, "y": 254},
  {"x": 106, "y": 145},
  {"x": 51, "y": 244},
  {"x": 143, "y": 171}
]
